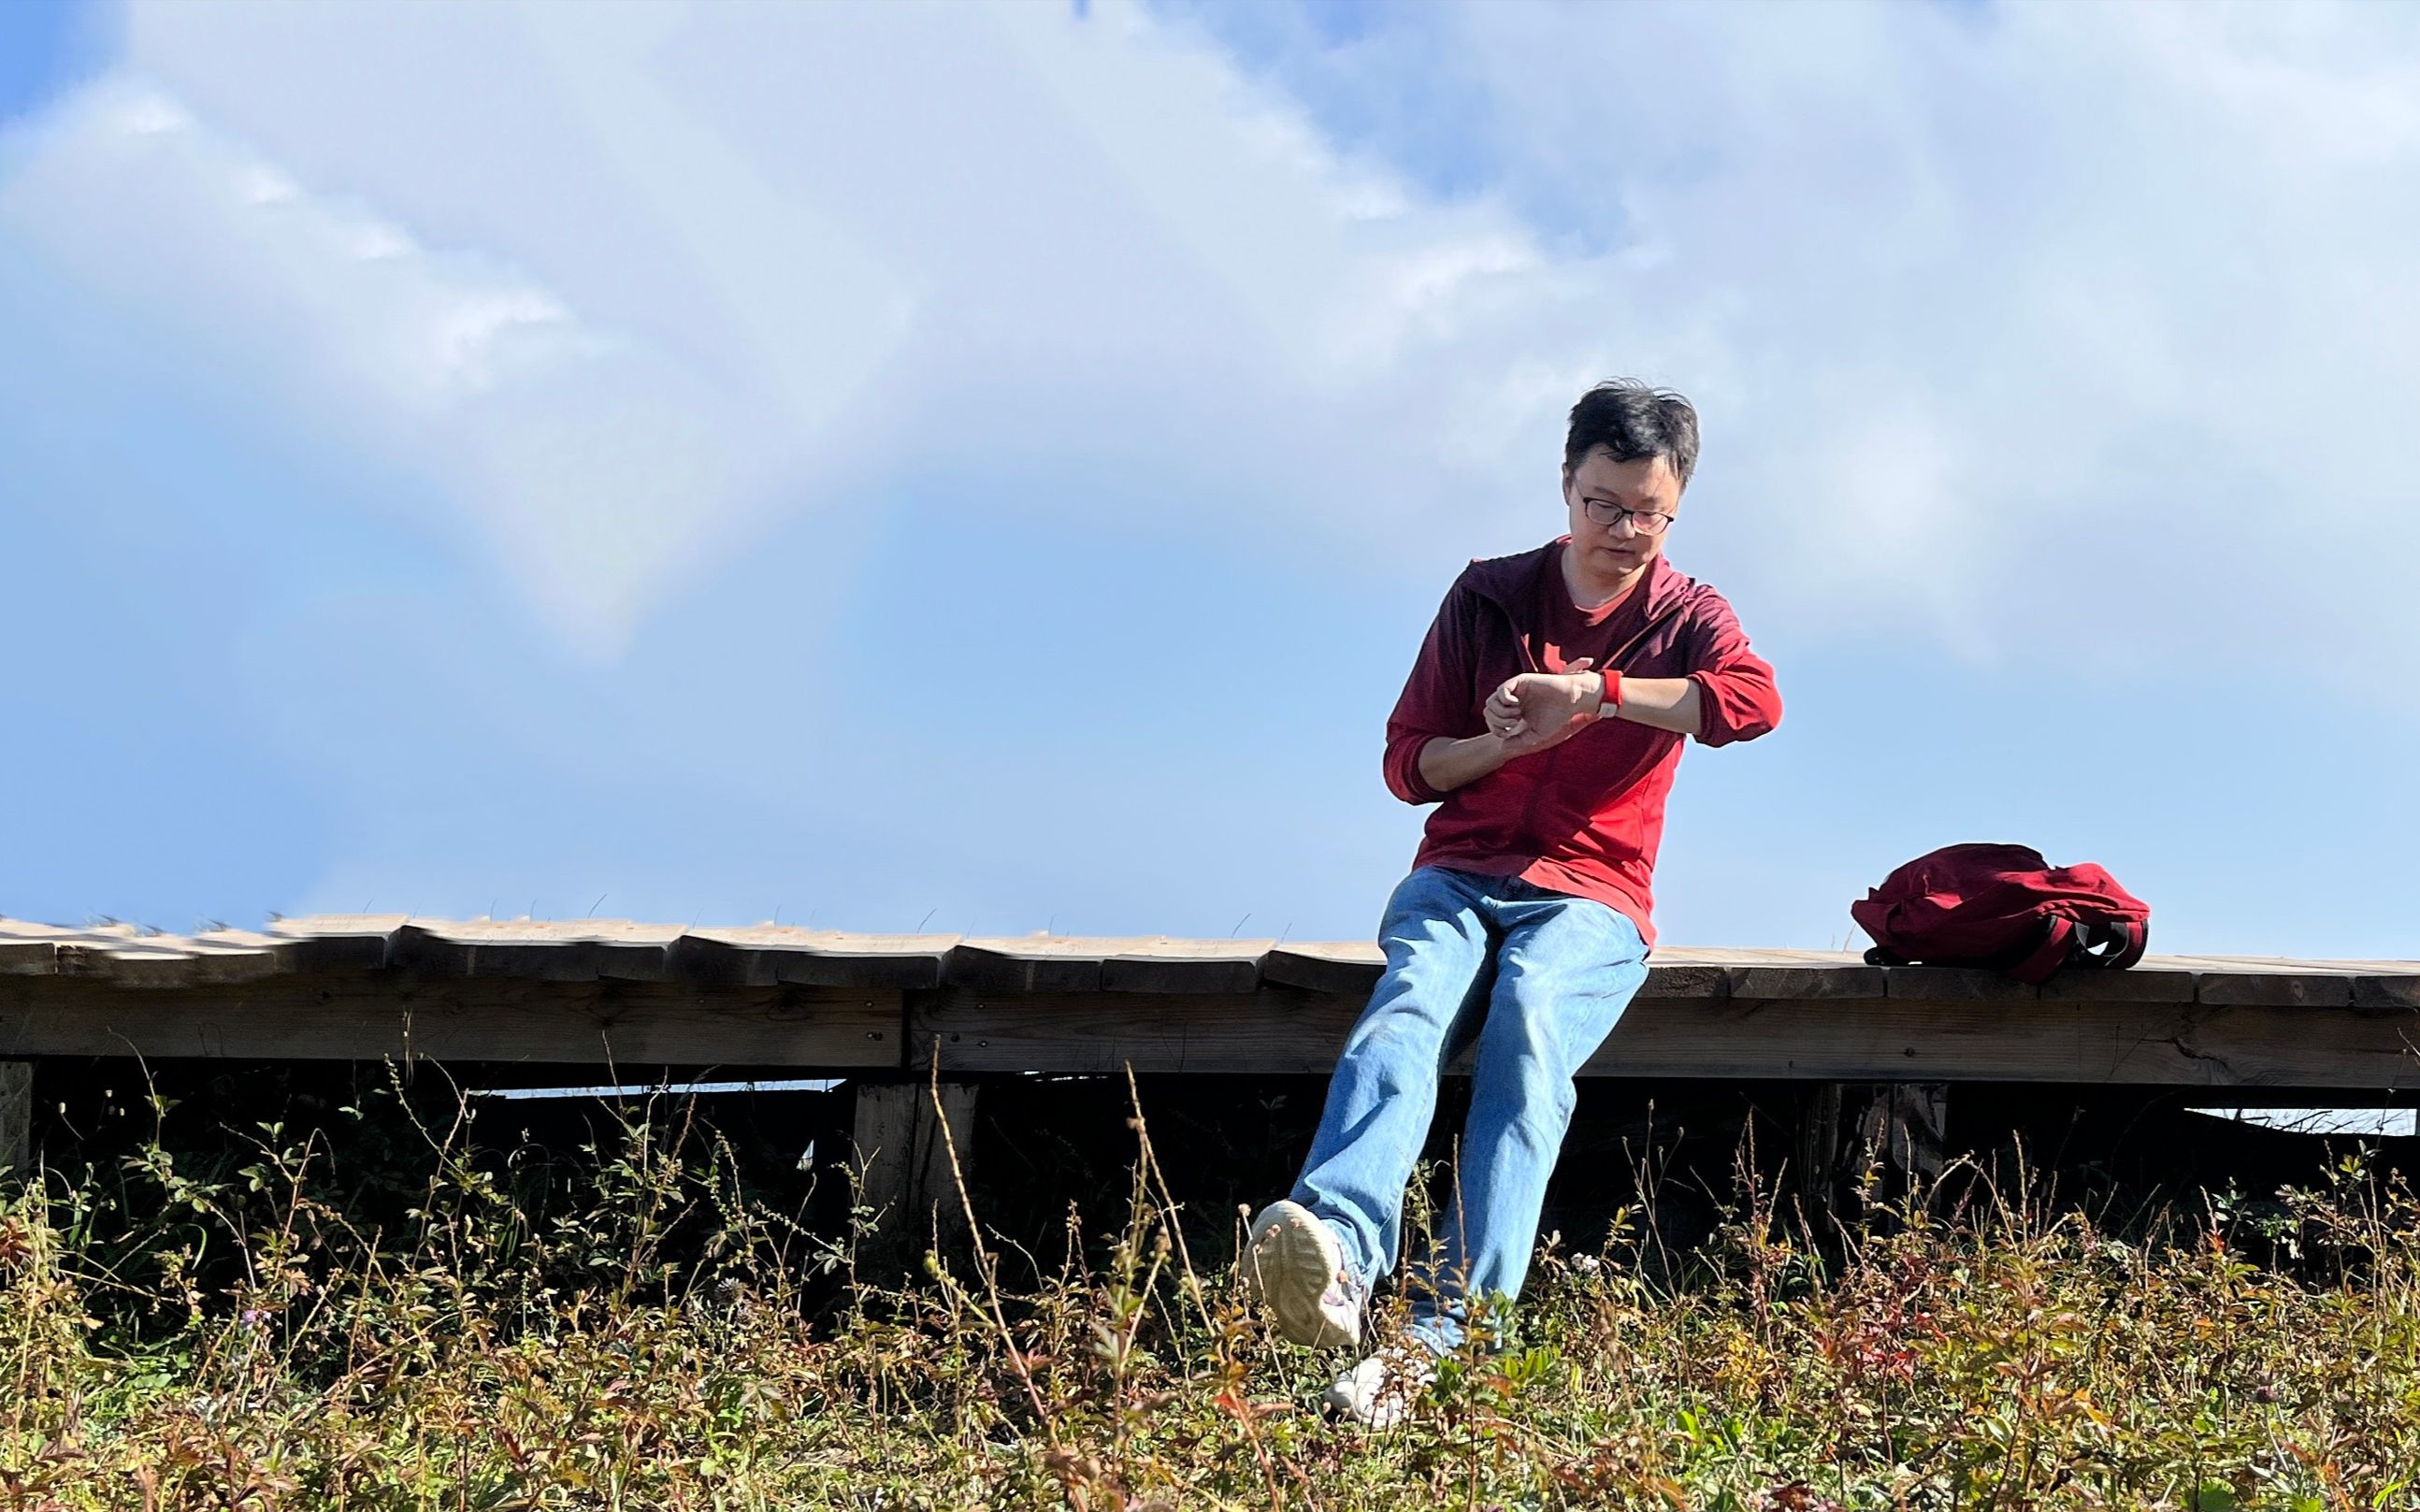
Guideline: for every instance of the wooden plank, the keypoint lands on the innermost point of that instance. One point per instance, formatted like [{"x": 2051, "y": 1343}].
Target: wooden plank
[
  {"x": 2136, "y": 984},
  {"x": 138, "y": 958},
  {"x": 2274, "y": 981},
  {"x": 1890, "y": 1039},
  {"x": 1684, "y": 979},
  {"x": 587, "y": 950},
  {"x": 1161, "y": 965},
  {"x": 1116, "y": 964},
  {"x": 2293, "y": 962},
  {"x": 22, "y": 957},
  {"x": 2380, "y": 990},
  {"x": 336, "y": 942},
  {"x": 2012, "y": 1039},
  {"x": 1029, "y": 963},
  {"x": 1112, "y": 963},
  {"x": 30, "y": 949},
  {"x": 704, "y": 958},
  {"x": 356, "y": 1017},
  {"x": 1678, "y": 971},
  {"x": 196, "y": 960},
  {"x": 2371, "y": 984},
  {"x": 1696, "y": 971},
  {"x": 1270, "y": 1031},
  {"x": 1808, "y": 983},
  {"x": 1958, "y": 984},
  {"x": 765, "y": 954},
  {"x": 771, "y": 955},
  {"x": 16, "y": 1117},
  {"x": 130, "y": 955},
  {"x": 1346, "y": 967},
  {"x": 1728, "y": 955},
  {"x": 2281, "y": 989},
  {"x": 897, "y": 961}
]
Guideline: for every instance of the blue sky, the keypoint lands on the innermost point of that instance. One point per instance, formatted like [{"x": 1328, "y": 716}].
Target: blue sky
[{"x": 987, "y": 469}]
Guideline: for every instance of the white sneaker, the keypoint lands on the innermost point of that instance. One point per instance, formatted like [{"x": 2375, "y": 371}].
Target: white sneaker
[
  {"x": 1296, "y": 1264},
  {"x": 1382, "y": 1390}
]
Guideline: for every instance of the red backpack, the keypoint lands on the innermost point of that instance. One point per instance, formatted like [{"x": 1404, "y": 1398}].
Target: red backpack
[{"x": 2002, "y": 907}]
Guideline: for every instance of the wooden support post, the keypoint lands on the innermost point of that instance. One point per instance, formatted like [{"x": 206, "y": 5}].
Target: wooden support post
[
  {"x": 17, "y": 1116},
  {"x": 1862, "y": 1146},
  {"x": 903, "y": 1164},
  {"x": 1818, "y": 1155},
  {"x": 1907, "y": 1129}
]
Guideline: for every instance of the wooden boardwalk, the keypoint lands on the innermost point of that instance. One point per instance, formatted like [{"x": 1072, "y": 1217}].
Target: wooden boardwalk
[
  {"x": 637, "y": 995},
  {"x": 1876, "y": 1049}
]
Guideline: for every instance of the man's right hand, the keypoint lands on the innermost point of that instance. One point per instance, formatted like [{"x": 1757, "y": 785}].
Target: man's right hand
[
  {"x": 1533, "y": 711},
  {"x": 1447, "y": 763}
]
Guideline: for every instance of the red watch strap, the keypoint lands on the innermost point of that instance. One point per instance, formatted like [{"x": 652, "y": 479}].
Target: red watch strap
[{"x": 1612, "y": 690}]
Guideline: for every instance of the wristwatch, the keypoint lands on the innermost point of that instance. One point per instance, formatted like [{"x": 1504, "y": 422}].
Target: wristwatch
[{"x": 1609, "y": 698}]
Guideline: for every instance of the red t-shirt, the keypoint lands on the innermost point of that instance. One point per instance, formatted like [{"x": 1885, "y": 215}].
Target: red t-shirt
[{"x": 1566, "y": 632}]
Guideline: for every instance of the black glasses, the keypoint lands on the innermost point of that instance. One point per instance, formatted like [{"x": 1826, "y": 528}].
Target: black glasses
[{"x": 1606, "y": 512}]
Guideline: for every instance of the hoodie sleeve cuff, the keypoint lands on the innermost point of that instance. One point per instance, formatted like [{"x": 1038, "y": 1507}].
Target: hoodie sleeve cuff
[{"x": 1404, "y": 768}]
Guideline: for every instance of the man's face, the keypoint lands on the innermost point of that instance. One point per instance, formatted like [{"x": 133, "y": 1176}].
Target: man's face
[{"x": 1647, "y": 483}]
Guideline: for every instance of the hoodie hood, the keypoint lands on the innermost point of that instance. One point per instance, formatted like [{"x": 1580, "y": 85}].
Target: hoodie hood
[{"x": 1512, "y": 581}]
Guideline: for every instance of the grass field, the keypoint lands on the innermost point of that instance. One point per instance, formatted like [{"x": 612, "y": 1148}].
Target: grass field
[{"x": 633, "y": 1325}]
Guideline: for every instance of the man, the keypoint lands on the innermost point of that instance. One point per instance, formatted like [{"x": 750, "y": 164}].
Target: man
[{"x": 1545, "y": 717}]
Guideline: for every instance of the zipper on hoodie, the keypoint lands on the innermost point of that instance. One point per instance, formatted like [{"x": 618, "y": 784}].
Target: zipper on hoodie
[{"x": 1528, "y": 832}]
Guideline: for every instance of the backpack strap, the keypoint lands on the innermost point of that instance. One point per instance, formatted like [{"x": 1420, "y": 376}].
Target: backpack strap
[
  {"x": 2114, "y": 944},
  {"x": 2057, "y": 941},
  {"x": 2137, "y": 936}
]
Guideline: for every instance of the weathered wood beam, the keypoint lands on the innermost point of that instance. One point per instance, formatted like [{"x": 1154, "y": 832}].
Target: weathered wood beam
[
  {"x": 365, "y": 1017},
  {"x": 525, "y": 950},
  {"x": 2016, "y": 1039},
  {"x": 1268, "y": 1032},
  {"x": 16, "y": 1118},
  {"x": 1072, "y": 964},
  {"x": 1972, "y": 1033},
  {"x": 1819, "y": 1153},
  {"x": 1329, "y": 966},
  {"x": 584, "y": 949},
  {"x": 903, "y": 1161},
  {"x": 766, "y": 954},
  {"x": 1864, "y": 1147}
]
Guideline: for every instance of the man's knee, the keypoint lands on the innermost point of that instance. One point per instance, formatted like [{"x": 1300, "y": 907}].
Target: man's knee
[
  {"x": 1386, "y": 1068},
  {"x": 1396, "y": 1037},
  {"x": 1529, "y": 1071}
]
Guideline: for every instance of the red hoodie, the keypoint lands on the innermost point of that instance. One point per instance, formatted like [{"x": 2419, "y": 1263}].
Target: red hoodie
[{"x": 1583, "y": 817}]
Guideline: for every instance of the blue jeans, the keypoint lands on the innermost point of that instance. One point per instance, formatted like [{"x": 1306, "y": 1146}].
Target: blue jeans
[{"x": 1538, "y": 978}]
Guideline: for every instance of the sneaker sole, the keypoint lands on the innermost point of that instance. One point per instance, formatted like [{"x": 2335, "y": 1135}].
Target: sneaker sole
[
  {"x": 1383, "y": 1415},
  {"x": 1292, "y": 1259}
]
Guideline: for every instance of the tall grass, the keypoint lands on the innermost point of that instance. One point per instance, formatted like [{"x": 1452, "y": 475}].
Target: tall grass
[{"x": 637, "y": 1328}]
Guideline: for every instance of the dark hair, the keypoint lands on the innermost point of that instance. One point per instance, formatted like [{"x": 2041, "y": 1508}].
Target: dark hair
[{"x": 1633, "y": 421}]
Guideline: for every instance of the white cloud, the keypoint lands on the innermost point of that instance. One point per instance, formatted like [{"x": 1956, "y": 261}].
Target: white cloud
[
  {"x": 1998, "y": 313},
  {"x": 1995, "y": 313},
  {"x": 595, "y": 466},
  {"x": 780, "y": 247}
]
